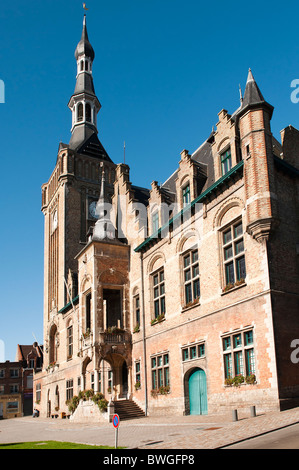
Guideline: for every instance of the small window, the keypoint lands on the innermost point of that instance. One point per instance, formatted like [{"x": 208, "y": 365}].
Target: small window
[
  {"x": 195, "y": 351},
  {"x": 70, "y": 342},
  {"x": 137, "y": 310},
  {"x": 159, "y": 293},
  {"x": 110, "y": 381},
  {"x": 88, "y": 112},
  {"x": 186, "y": 194},
  {"x": 239, "y": 357},
  {"x": 80, "y": 112},
  {"x": 226, "y": 161},
  {"x": 191, "y": 277},
  {"x": 88, "y": 311},
  {"x": 155, "y": 222},
  {"x": 14, "y": 373},
  {"x": 69, "y": 389},
  {"x": 233, "y": 255},
  {"x": 38, "y": 392},
  {"x": 160, "y": 372},
  {"x": 137, "y": 374}
]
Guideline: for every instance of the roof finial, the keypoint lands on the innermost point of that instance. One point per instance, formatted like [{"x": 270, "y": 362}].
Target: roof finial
[
  {"x": 241, "y": 97},
  {"x": 84, "y": 6},
  {"x": 102, "y": 195},
  {"x": 250, "y": 76}
]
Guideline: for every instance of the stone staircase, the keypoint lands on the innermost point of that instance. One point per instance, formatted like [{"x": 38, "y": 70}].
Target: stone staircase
[{"x": 128, "y": 409}]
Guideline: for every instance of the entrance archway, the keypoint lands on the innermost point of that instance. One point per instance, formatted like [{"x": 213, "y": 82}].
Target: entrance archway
[
  {"x": 121, "y": 377},
  {"x": 198, "y": 399}
]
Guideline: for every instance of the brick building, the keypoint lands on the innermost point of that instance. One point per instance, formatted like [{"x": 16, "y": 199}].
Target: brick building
[
  {"x": 16, "y": 381},
  {"x": 182, "y": 298}
]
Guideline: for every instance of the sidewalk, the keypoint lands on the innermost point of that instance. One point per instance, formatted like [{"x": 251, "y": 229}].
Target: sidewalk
[
  {"x": 162, "y": 432},
  {"x": 231, "y": 433}
]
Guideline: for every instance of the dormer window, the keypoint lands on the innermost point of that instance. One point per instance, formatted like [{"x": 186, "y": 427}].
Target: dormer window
[
  {"x": 226, "y": 161},
  {"x": 186, "y": 195},
  {"x": 155, "y": 222}
]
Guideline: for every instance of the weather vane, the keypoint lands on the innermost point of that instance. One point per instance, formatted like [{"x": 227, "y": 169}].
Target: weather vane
[{"x": 84, "y": 6}]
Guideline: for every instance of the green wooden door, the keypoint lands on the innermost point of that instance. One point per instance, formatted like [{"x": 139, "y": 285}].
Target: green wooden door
[{"x": 198, "y": 393}]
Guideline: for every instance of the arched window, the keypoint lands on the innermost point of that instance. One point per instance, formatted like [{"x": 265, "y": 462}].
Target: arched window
[
  {"x": 81, "y": 65},
  {"x": 88, "y": 112},
  {"x": 80, "y": 112},
  {"x": 53, "y": 345}
]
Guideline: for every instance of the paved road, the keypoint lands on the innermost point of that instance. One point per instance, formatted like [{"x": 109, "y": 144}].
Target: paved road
[
  {"x": 132, "y": 434},
  {"x": 287, "y": 438},
  {"x": 172, "y": 432}
]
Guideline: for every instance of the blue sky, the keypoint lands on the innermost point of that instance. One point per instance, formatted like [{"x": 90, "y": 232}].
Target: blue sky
[{"x": 162, "y": 72}]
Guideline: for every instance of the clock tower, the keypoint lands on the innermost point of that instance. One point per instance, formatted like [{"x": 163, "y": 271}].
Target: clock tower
[{"x": 70, "y": 196}]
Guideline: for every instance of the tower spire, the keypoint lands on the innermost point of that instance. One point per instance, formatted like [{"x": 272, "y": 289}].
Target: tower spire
[
  {"x": 253, "y": 97},
  {"x": 84, "y": 103}
]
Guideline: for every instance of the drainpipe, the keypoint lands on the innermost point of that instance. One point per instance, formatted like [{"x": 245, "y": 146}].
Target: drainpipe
[{"x": 143, "y": 334}]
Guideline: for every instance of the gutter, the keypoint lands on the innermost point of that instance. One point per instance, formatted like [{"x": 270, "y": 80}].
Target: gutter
[
  {"x": 189, "y": 206},
  {"x": 143, "y": 335}
]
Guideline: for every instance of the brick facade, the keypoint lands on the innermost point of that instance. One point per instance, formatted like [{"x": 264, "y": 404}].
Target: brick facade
[{"x": 198, "y": 287}]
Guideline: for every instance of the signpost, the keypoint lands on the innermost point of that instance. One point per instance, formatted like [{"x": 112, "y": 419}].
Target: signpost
[{"x": 115, "y": 422}]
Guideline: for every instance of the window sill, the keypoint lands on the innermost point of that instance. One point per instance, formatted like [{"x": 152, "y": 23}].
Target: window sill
[
  {"x": 240, "y": 385},
  {"x": 234, "y": 288},
  {"x": 156, "y": 321},
  {"x": 187, "y": 307}
]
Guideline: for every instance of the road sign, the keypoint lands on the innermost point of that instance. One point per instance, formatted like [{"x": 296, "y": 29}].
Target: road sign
[{"x": 115, "y": 421}]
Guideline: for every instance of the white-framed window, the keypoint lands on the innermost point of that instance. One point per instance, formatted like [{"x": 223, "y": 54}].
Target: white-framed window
[
  {"x": 160, "y": 371},
  {"x": 226, "y": 161},
  {"x": 70, "y": 342},
  {"x": 233, "y": 254},
  {"x": 158, "y": 287},
  {"x": 136, "y": 301},
  {"x": 155, "y": 222},
  {"x": 186, "y": 194},
  {"x": 38, "y": 392},
  {"x": 14, "y": 373},
  {"x": 238, "y": 354},
  {"x": 193, "y": 351},
  {"x": 138, "y": 374},
  {"x": 14, "y": 388},
  {"x": 191, "y": 277},
  {"x": 69, "y": 389}
]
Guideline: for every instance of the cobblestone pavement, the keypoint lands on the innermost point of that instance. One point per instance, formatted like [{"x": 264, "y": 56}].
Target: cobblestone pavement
[{"x": 185, "y": 432}]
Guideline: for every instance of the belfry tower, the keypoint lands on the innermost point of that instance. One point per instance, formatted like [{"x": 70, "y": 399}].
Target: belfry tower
[{"x": 70, "y": 196}]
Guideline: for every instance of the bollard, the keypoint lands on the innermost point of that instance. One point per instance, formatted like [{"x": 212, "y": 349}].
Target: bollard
[
  {"x": 235, "y": 415},
  {"x": 252, "y": 411}
]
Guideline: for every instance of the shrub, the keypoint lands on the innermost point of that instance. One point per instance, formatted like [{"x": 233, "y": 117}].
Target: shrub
[
  {"x": 238, "y": 380},
  {"x": 250, "y": 379}
]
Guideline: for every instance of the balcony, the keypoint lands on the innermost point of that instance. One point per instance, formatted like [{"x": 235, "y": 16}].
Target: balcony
[{"x": 115, "y": 336}]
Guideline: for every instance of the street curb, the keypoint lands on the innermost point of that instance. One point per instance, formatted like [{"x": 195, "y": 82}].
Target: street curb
[{"x": 256, "y": 435}]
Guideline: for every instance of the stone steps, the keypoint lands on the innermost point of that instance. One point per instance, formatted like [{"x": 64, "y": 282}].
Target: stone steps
[{"x": 128, "y": 409}]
